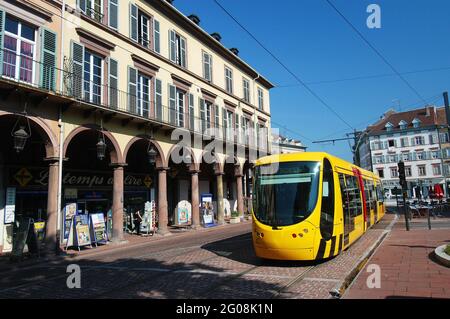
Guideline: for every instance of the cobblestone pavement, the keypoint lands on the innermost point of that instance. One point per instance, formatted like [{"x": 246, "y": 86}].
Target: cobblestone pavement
[
  {"x": 407, "y": 266},
  {"x": 218, "y": 263}
]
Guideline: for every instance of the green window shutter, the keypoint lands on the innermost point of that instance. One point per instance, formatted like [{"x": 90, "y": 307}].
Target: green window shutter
[
  {"x": 2, "y": 31},
  {"x": 132, "y": 90},
  {"x": 158, "y": 100},
  {"x": 172, "y": 104},
  {"x": 114, "y": 14},
  {"x": 183, "y": 52},
  {"x": 113, "y": 78},
  {"x": 191, "y": 112},
  {"x": 133, "y": 22},
  {"x": 156, "y": 37},
  {"x": 76, "y": 87},
  {"x": 48, "y": 59},
  {"x": 172, "y": 46},
  {"x": 216, "y": 116},
  {"x": 201, "y": 104}
]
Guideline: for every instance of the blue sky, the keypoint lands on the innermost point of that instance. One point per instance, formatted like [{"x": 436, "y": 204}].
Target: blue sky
[{"x": 316, "y": 44}]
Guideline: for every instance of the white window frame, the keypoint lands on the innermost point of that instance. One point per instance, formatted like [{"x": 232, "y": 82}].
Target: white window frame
[
  {"x": 228, "y": 80},
  {"x": 207, "y": 65},
  {"x": 180, "y": 118},
  {"x": 91, "y": 74},
  {"x": 260, "y": 99},
  {"x": 148, "y": 25},
  {"x": 140, "y": 88},
  {"x": 246, "y": 89},
  {"x": 19, "y": 40}
]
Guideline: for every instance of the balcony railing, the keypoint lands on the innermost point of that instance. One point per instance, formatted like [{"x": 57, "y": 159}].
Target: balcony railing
[
  {"x": 75, "y": 87},
  {"x": 96, "y": 15}
]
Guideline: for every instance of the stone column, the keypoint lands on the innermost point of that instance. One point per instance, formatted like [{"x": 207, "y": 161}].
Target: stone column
[
  {"x": 220, "y": 211},
  {"x": 162, "y": 201},
  {"x": 51, "y": 242},
  {"x": 117, "y": 208},
  {"x": 195, "y": 199}
]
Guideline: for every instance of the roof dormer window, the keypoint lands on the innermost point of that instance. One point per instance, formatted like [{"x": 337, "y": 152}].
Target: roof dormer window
[
  {"x": 403, "y": 125},
  {"x": 389, "y": 126},
  {"x": 416, "y": 123}
]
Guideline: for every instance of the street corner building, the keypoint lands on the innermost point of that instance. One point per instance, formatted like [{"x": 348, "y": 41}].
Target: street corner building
[
  {"x": 419, "y": 138},
  {"x": 90, "y": 95}
]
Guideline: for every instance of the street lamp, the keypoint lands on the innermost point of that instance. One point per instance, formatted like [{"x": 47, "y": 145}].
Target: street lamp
[
  {"x": 151, "y": 152},
  {"x": 20, "y": 138},
  {"x": 101, "y": 148}
]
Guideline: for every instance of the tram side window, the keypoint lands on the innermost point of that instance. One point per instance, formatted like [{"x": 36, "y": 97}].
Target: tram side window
[
  {"x": 354, "y": 194},
  {"x": 380, "y": 193},
  {"x": 327, "y": 211},
  {"x": 368, "y": 192}
]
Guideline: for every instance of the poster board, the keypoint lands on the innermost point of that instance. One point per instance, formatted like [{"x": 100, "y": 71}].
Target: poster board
[
  {"x": 70, "y": 211},
  {"x": 207, "y": 210},
  {"x": 148, "y": 223},
  {"x": 99, "y": 233},
  {"x": 25, "y": 235},
  {"x": 183, "y": 210},
  {"x": 10, "y": 207},
  {"x": 39, "y": 230},
  {"x": 79, "y": 232}
]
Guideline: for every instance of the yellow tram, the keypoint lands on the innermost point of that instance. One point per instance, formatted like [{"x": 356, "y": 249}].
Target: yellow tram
[{"x": 311, "y": 206}]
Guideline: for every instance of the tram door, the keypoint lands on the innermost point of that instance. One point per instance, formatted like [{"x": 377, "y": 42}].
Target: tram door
[{"x": 345, "y": 208}]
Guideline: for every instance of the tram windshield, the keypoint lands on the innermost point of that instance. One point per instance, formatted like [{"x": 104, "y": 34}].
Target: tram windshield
[{"x": 285, "y": 192}]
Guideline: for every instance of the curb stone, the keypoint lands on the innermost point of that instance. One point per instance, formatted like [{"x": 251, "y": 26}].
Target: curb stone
[{"x": 339, "y": 290}]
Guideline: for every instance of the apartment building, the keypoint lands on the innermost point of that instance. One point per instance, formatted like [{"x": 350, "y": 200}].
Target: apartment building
[
  {"x": 96, "y": 97},
  {"x": 416, "y": 138}
]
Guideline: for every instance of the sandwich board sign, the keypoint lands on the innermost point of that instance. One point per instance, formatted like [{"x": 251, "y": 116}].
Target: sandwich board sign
[
  {"x": 99, "y": 228},
  {"x": 80, "y": 232},
  {"x": 207, "y": 210}
]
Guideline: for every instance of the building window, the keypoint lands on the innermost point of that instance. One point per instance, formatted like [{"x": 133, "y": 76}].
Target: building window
[
  {"x": 228, "y": 124},
  {"x": 392, "y": 158},
  {"x": 408, "y": 172},
  {"x": 260, "y": 99},
  {"x": 391, "y": 143},
  {"x": 404, "y": 142},
  {"x": 180, "y": 108},
  {"x": 380, "y": 172},
  {"x": 422, "y": 170},
  {"x": 177, "y": 49},
  {"x": 389, "y": 127},
  {"x": 93, "y": 65},
  {"x": 435, "y": 154},
  {"x": 403, "y": 125},
  {"x": 405, "y": 157},
  {"x": 143, "y": 106},
  {"x": 394, "y": 172},
  {"x": 245, "y": 132},
  {"x": 378, "y": 159},
  {"x": 144, "y": 29},
  {"x": 207, "y": 67},
  {"x": 246, "y": 90},
  {"x": 19, "y": 50},
  {"x": 419, "y": 140},
  {"x": 436, "y": 169},
  {"x": 229, "y": 80},
  {"x": 416, "y": 123},
  {"x": 420, "y": 155}
]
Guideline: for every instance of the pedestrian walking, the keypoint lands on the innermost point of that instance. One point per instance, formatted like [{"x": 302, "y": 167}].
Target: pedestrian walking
[{"x": 137, "y": 221}]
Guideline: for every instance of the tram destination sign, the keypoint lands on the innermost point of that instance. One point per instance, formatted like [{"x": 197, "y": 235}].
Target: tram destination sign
[{"x": 23, "y": 177}]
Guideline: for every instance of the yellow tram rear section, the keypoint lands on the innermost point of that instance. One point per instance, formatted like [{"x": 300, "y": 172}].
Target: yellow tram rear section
[{"x": 311, "y": 206}]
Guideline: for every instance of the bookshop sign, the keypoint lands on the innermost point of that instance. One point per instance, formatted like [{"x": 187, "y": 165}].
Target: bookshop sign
[{"x": 39, "y": 177}]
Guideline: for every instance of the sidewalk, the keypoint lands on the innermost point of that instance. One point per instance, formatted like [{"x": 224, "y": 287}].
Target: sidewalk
[
  {"x": 408, "y": 268},
  {"x": 129, "y": 241}
]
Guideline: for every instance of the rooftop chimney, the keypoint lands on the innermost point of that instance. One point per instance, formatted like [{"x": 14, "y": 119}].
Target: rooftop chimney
[
  {"x": 194, "y": 19},
  {"x": 235, "y": 51},
  {"x": 216, "y": 36}
]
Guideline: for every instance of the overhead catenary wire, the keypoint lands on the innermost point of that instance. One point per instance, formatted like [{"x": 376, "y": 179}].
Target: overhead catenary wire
[
  {"x": 364, "y": 77},
  {"x": 377, "y": 52},
  {"x": 296, "y": 77}
]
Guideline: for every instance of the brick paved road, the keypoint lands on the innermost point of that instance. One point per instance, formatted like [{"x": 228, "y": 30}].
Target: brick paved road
[{"x": 213, "y": 263}]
